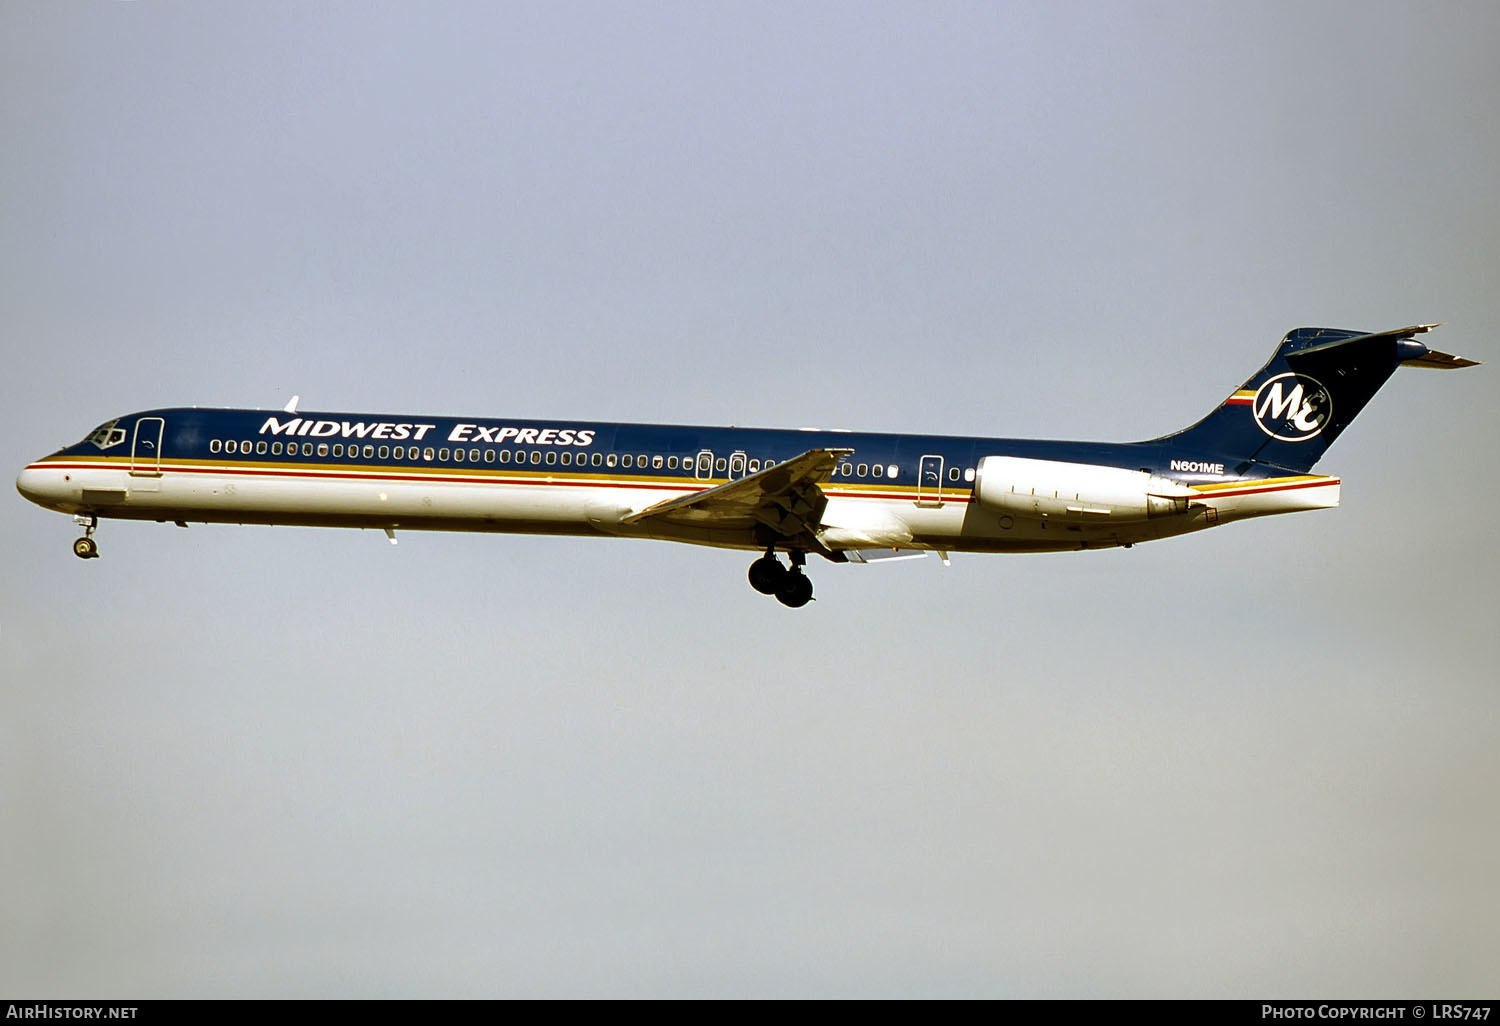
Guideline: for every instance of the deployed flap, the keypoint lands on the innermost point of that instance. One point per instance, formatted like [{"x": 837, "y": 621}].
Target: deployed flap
[
  {"x": 784, "y": 497},
  {"x": 883, "y": 555}
]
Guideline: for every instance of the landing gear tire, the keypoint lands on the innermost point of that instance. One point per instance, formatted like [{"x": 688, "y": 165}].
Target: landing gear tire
[
  {"x": 795, "y": 590},
  {"x": 767, "y": 575},
  {"x": 85, "y": 548}
]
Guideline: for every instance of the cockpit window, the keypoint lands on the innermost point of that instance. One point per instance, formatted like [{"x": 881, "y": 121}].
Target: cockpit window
[{"x": 107, "y": 435}]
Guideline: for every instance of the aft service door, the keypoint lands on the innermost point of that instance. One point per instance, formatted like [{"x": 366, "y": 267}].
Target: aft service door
[{"x": 930, "y": 481}]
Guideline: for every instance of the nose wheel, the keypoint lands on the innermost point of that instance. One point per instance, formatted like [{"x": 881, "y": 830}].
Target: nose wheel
[
  {"x": 789, "y": 584},
  {"x": 86, "y": 547}
]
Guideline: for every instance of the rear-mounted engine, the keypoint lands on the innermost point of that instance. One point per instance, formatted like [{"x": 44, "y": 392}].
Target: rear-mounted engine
[{"x": 1076, "y": 491}]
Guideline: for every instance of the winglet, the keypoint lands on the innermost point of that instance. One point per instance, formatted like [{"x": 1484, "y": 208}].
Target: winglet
[{"x": 291, "y": 406}]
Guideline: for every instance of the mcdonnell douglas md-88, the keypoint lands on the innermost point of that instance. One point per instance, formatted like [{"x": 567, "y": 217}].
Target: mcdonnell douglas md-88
[{"x": 844, "y": 496}]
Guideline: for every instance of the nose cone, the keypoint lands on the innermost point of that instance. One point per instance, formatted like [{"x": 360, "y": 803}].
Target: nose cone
[{"x": 42, "y": 486}]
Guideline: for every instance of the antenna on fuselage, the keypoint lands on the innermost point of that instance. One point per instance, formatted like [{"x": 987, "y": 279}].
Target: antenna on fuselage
[{"x": 291, "y": 406}]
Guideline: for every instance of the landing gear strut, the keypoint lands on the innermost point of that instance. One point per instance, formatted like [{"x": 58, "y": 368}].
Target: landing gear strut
[
  {"x": 789, "y": 584},
  {"x": 86, "y": 547}
]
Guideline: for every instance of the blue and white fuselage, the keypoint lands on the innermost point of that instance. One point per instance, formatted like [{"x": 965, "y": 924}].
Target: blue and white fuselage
[{"x": 840, "y": 495}]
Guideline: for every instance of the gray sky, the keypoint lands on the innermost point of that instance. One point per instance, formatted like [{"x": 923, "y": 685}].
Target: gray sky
[{"x": 1259, "y": 761}]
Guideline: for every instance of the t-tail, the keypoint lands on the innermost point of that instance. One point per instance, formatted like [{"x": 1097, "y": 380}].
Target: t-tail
[{"x": 1312, "y": 388}]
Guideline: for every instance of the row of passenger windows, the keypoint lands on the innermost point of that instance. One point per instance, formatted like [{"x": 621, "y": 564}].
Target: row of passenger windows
[
  {"x": 430, "y": 454},
  {"x": 704, "y": 464}
]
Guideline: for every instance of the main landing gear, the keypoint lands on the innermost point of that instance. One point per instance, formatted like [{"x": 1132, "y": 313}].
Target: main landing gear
[
  {"x": 86, "y": 547},
  {"x": 789, "y": 584}
]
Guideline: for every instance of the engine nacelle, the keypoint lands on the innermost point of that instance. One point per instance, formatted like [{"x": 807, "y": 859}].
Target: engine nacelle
[{"x": 1079, "y": 492}]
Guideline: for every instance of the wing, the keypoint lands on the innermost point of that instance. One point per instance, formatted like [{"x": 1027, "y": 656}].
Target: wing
[{"x": 784, "y": 497}]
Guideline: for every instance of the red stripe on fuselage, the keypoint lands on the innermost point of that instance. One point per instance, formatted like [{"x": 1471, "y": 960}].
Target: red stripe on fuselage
[
  {"x": 1236, "y": 492},
  {"x": 483, "y": 477}
]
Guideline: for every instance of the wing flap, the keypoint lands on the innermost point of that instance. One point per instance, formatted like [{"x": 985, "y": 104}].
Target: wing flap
[{"x": 784, "y": 497}]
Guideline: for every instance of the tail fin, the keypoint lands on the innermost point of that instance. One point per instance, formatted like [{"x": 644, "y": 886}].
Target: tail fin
[{"x": 1314, "y": 385}]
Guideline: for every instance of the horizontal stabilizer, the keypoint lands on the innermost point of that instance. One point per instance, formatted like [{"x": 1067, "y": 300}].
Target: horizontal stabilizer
[
  {"x": 1440, "y": 361},
  {"x": 1426, "y": 358},
  {"x": 1346, "y": 338}
]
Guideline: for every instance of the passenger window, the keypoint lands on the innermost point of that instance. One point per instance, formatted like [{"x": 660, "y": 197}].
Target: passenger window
[
  {"x": 863, "y": 470},
  {"x": 567, "y": 459},
  {"x": 536, "y": 456},
  {"x": 369, "y": 452},
  {"x": 489, "y": 455},
  {"x": 968, "y": 473},
  {"x": 876, "y": 470},
  {"x": 656, "y": 463},
  {"x": 596, "y": 459},
  {"x": 260, "y": 447},
  {"x": 458, "y": 454},
  {"x": 473, "y": 455},
  {"x": 610, "y": 460},
  {"x": 246, "y": 447},
  {"x": 322, "y": 448},
  {"x": 231, "y": 446},
  {"x": 428, "y": 455},
  {"x": 275, "y": 448},
  {"x": 443, "y": 454},
  {"x": 214, "y": 445},
  {"x": 307, "y": 448},
  {"x": 551, "y": 457},
  {"x": 721, "y": 464},
  {"x": 953, "y": 474},
  {"x": 627, "y": 460},
  {"x": 385, "y": 452},
  {"x": 504, "y": 455},
  {"x": 892, "y": 471}
]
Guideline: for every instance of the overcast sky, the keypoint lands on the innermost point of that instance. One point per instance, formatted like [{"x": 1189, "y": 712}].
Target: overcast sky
[{"x": 272, "y": 762}]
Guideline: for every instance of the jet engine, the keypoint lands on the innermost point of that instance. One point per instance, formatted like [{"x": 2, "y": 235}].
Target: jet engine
[{"x": 1079, "y": 492}]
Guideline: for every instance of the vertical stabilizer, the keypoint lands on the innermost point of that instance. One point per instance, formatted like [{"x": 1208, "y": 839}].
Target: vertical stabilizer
[{"x": 1318, "y": 380}]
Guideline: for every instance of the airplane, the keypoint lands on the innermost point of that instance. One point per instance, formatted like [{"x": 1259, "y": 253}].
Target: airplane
[{"x": 844, "y": 496}]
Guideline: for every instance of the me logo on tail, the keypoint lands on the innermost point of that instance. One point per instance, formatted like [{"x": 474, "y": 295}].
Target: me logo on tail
[{"x": 1292, "y": 407}]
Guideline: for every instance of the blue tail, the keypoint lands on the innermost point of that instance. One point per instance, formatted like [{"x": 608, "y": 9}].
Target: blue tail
[{"x": 1314, "y": 385}]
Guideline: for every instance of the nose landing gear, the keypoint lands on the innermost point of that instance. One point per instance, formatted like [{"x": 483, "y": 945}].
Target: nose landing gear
[
  {"x": 789, "y": 584},
  {"x": 86, "y": 547}
]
